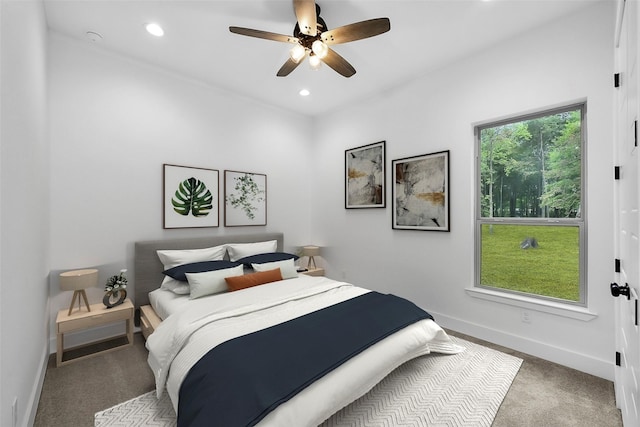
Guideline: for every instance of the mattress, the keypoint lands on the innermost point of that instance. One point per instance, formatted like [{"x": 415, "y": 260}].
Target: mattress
[{"x": 199, "y": 325}]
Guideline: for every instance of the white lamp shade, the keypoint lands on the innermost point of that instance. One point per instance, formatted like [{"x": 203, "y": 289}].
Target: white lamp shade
[
  {"x": 311, "y": 251},
  {"x": 296, "y": 53},
  {"x": 78, "y": 279},
  {"x": 320, "y": 49},
  {"x": 314, "y": 62}
]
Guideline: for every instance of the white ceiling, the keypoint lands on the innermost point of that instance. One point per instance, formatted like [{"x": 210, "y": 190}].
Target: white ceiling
[{"x": 425, "y": 35}]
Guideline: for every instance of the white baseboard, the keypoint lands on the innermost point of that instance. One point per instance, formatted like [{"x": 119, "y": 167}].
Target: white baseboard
[
  {"x": 34, "y": 399},
  {"x": 581, "y": 362}
]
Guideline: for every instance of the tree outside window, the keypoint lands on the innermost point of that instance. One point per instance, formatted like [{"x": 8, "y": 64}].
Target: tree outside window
[{"x": 530, "y": 220}]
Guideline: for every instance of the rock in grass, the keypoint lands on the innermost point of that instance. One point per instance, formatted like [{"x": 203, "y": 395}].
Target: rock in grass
[{"x": 529, "y": 242}]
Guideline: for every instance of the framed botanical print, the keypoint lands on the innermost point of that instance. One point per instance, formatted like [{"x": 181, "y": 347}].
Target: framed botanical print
[
  {"x": 421, "y": 192},
  {"x": 365, "y": 176},
  {"x": 190, "y": 197},
  {"x": 245, "y": 198}
]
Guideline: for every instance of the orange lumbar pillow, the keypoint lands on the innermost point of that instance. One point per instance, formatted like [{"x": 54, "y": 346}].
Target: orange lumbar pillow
[{"x": 236, "y": 283}]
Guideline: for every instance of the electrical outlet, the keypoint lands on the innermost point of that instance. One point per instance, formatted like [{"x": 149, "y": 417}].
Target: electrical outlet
[
  {"x": 14, "y": 411},
  {"x": 526, "y": 316}
]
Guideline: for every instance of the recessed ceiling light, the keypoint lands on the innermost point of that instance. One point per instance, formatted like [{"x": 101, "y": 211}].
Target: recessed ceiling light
[
  {"x": 155, "y": 29},
  {"x": 304, "y": 92}
]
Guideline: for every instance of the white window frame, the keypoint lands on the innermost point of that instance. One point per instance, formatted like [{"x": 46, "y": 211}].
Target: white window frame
[{"x": 575, "y": 309}]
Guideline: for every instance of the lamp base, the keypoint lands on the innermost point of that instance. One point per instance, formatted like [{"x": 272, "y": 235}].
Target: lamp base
[
  {"x": 311, "y": 261},
  {"x": 78, "y": 294}
]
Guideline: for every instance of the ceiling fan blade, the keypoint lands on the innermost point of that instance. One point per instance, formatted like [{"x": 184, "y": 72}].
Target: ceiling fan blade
[
  {"x": 263, "y": 35},
  {"x": 338, "y": 63},
  {"x": 288, "y": 67},
  {"x": 305, "y": 11},
  {"x": 356, "y": 31}
]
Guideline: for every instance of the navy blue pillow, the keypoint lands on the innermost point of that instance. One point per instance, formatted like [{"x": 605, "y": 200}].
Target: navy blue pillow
[
  {"x": 267, "y": 257},
  {"x": 179, "y": 271}
]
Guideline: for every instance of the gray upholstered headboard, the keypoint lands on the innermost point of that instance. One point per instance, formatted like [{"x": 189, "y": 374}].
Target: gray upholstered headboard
[{"x": 148, "y": 268}]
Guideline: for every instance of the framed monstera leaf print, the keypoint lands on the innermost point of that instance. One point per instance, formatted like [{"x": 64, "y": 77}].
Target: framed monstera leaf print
[
  {"x": 245, "y": 198},
  {"x": 191, "y": 197}
]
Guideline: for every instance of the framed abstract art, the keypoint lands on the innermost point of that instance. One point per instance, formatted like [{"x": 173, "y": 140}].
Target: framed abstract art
[
  {"x": 421, "y": 192},
  {"x": 365, "y": 176}
]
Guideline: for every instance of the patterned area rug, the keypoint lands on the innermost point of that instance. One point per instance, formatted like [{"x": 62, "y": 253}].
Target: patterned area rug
[{"x": 464, "y": 389}]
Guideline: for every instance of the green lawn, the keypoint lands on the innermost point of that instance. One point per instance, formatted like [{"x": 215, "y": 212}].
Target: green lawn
[{"x": 551, "y": 270}]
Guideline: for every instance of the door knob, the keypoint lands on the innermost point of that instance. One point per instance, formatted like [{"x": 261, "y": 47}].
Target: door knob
[{"x": 617, "y": 290}]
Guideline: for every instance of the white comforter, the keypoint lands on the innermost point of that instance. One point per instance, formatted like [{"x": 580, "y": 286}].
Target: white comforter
[{"x": 183, "y": 338}]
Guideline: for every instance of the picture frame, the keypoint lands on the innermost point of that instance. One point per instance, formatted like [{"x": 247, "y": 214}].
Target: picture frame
[
  {"x": 365, "y": 176},
  {"x": 190, "y": 197},
  {"x": 421, "y": 192},
  {"x": 245, "y": 199}
]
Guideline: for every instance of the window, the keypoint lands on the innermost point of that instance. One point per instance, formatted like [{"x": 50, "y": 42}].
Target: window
[{"x": 530, "y": 221}]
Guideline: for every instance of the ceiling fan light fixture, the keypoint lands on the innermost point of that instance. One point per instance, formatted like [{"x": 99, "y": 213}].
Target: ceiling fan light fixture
[
  {"x": 314, "y": 62},
  {"x": 297, "y": 52},
  {"x": 320, "y": 48},
  {"x": 312, "y": 37}
]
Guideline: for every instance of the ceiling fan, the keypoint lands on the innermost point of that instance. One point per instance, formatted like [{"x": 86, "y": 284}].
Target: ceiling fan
[{"x": 312, "y": 38}]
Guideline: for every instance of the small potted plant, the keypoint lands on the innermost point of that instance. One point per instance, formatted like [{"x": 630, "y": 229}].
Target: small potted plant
[{"x": 115, "y": 290}]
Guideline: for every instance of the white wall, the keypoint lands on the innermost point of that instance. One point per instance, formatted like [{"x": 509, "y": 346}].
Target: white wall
[
  {"x": 24, "y": 212},
  {"x": 562, "y": 62},
  {"x": 115, "y": 121}
]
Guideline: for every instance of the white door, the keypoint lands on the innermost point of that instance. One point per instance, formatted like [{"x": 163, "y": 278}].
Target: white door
[{"x": 627, "y": 222}]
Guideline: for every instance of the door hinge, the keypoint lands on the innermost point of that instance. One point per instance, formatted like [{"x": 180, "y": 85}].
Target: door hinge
[
  {"x": 617, "y": 265},
  {"x": 616, "y": 80},
  {"x": 618, "y": 357},
  {"x": 616, "y": 172}
]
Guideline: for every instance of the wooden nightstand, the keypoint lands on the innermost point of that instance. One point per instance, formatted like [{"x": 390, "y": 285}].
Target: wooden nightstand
[
  {"x": 314, "y": 272},
  {"x": 98, "y": 316}
]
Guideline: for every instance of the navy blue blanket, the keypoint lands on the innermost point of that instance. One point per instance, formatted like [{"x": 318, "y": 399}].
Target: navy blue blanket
[{"x": 240, "y": 381}]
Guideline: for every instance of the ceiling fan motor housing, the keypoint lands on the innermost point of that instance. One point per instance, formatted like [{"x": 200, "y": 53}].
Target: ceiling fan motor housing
[{"x": 306, "y": 40}]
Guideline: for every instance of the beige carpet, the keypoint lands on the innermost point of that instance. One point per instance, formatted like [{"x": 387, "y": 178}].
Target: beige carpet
[{"x": 464, "y": 389}]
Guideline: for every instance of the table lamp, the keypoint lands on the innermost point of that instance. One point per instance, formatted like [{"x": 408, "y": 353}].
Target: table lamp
[
  {"x": 311, "y": 251},
  {"x": 77, "y": 281}
]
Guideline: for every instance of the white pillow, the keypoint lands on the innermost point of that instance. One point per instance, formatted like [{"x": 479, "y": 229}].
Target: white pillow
[
  {"x": 211, "y": 282},
  {"x": 241, "y": 250},
  {"x": 173, "y": 258},
  {"x": 287, "y": 268}
]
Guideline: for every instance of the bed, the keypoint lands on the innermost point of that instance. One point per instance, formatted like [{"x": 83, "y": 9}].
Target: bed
[{"x": 296, "y": 349}]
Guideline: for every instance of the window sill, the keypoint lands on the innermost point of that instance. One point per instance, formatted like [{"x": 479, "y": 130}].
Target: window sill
[{"x": 551, "y": 307}]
